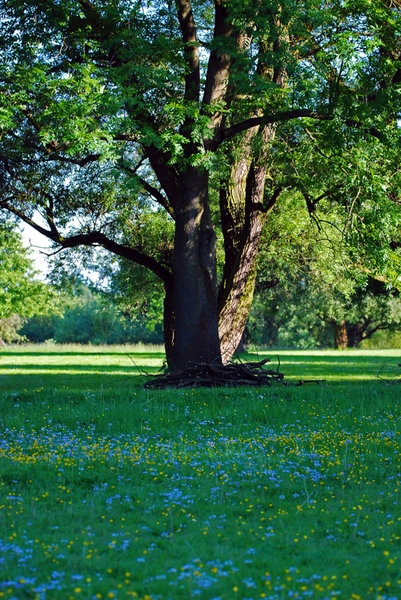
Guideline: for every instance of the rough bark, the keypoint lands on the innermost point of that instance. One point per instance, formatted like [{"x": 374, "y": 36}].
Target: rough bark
[
  {"x": 194, "y": 259},
  {"x": 238, "y": 287},
  {"x": 194, "y": 270},
  {"x": 191, "y": 49},
  {"x": 243, "y": 218},
  {"x": 169, "y": 324},
  {"x": 243, "y": 210},
  {"x": 340, "y": 335},
  {"x": 234, "y": 314}
]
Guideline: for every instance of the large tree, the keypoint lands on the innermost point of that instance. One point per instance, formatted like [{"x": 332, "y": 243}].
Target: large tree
[{"x": 145, "y": 127}]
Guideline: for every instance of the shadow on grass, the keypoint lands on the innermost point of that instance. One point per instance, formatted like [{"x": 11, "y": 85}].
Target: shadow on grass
[
  {"x": 43, "y": 353},
  {"x": 66, "y": 383},
  {"x": 90, "y": 369},
  {"x": 334, "y": 366},
  {"x": 76, "y": 370},
  {"x": 51, "y": 369}
]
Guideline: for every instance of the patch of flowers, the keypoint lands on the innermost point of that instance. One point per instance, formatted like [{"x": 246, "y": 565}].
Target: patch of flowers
[{"x": 218, "y": 509}]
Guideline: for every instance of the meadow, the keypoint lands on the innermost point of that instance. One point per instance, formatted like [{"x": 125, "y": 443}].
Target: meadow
[{"x": 108, "y": 490}]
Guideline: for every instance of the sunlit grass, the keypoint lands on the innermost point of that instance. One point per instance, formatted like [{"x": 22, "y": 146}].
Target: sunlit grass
[
  {"x": 110, "y": 491},
  {"x": 76, "y": 366},
  {"x": 89, "y": 367}
]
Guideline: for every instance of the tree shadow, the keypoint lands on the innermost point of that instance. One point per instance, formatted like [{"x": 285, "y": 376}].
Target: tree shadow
[
  {"x": 93, "y": 371},
  {"x": 90, "y": 369},
  {"x": 143, "y": 355},
  {"x": 66, "y": 383},
  {"x": 25, "y": 371},
  {"x": 335, "y": 367}
]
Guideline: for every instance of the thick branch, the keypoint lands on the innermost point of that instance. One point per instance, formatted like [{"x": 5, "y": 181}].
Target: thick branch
[
  {"x": 219, "y": 61},
  {"x": 288, "y": 115},
  {"x": 100, "y": 239},
  {"x": 52, "y": 150},
  {"x": 285, "y": 115},
  {"x": 94, "y": 238},
  {"x": 191, "y": 50},
  {"x": 367, "y": 333},
  {"x": 272, "y": 200},
  {"x": 164, "y": 172},
  {"x": 81, "y": 162}
]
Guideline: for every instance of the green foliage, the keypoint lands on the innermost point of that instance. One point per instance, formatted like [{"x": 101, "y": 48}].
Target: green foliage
[
  {"x": 22, "y": 295},
  {"x": 91, "y": 318},
  {"x": 382, "y": 339},
  {"x": 134, "y": 289},
  {"x": 9, "y": 329},
  {"x": 86, "y": 319},
  {"x": 39, "y": 329},
  {"x": 108, "y": 79},
  {"x": 312, "y": 278}
]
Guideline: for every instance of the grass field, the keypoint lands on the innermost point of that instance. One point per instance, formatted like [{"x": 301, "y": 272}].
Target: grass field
[{"x": 110, "y": 491}]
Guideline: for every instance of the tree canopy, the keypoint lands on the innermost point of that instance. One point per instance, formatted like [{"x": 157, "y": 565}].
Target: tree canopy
[{"x": 159, "y": 129}]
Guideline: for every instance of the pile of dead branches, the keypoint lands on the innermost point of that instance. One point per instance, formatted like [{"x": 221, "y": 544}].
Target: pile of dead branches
[{"x": 231, "y": 375}]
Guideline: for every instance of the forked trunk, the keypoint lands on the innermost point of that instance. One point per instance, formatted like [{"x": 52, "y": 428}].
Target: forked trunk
[
  {"x": 243, "y": 218},
  {"x": 238, "y": 285},
  {"x": 194, "y": 270}
]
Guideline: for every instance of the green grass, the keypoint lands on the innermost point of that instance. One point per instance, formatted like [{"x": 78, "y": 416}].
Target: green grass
[
  {"x": 76, "y": 367},
  {"x": 110, "y": 491}
]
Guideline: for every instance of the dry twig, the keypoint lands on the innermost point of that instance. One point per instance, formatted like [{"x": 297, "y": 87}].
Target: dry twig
[{"x": 231, "y": 375}]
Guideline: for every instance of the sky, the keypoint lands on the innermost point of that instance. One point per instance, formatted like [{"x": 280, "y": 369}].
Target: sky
[{"x": 38, "y": 245}]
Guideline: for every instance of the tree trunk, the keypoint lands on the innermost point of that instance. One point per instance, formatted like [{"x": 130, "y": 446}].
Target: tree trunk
[
  {"x": 357, "y": 332},
  {"x": 237, "y": 291},
  {"x": 234, "y": 314},
  {"x": 241, "y": 346},
  {"x": 169, "y": 324},
  {"x": 243, "y": 218},
  {"x": 340, "y": 335},
  {"x": 194, "y": 271},
  {"x": 355, "y": 335},
  {"x": 206, "y": 329}
]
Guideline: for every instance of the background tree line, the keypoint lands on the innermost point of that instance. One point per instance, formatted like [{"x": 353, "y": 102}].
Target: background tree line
[
  {"x": 69, "y": 311},
  {"x": 87, "y": 317}
]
